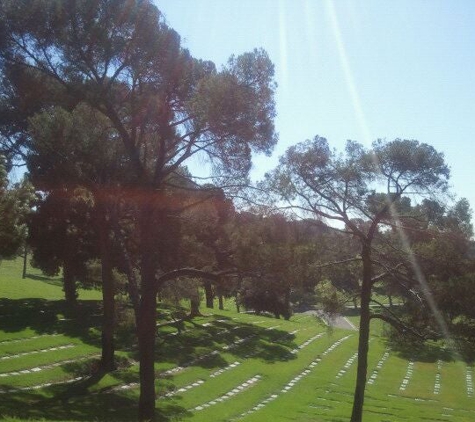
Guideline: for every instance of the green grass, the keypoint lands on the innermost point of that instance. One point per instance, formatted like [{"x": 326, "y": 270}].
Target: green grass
[
  {"x": 33, "y": 317},
  {"x": 13, "y": 286}
]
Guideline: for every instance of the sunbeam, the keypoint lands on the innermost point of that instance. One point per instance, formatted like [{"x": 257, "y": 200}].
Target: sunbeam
[
  {"x": 310, "y": 32},
  {"x": 283, "y": 46},
  {"x": 348, "y": 74},
  {"x": 367, "y": 139}
]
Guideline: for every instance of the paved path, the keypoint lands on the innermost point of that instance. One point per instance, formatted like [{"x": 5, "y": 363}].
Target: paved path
[{"x": 337, "y": 321}]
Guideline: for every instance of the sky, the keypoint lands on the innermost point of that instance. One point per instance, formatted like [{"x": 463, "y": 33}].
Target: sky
[{"x": 353, "y": 69}]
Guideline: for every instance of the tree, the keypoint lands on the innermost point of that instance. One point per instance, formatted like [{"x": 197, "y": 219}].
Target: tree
[
  {"x": 121, "y": 59},
  {"x": 205, "y": 218},
  {"x": 15, "y": 205},
  {"x": 446, "y": 257},
  {"x": 274, "y": 259},
  {"x": 76, "y": 150},
  {"x": 61, "y": 237},
  {"x": 359, "y": 191},
  {"x": 332, "y": 299}
]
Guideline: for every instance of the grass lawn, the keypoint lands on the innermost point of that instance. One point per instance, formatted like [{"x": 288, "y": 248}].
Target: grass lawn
[
  {"x": 223, "y": 366},
  {"x": 14, "y": 287}
]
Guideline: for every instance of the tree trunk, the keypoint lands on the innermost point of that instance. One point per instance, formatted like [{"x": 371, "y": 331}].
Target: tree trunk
[
  {"x": 287, "y": 307},
  {"x": 363, "y": 343},
  {"x": 147, "y": 318},
  {"x": 69, "y": 285},
  {"x": 221, "y": 302},
  {"x": 146, "y": 339},
  {"x": 133, "y": 285},
  {"x": 390, "y": 298},
  {"x": 25, "y": 259},
  {"x": 209, "y": 294},
  {"x": 238, "y": 288},
  {"x": 108, "y": 299},
  {"x": 195, "y": 304}
]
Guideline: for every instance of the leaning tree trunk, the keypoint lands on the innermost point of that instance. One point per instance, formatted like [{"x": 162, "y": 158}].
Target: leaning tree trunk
[
  {"x": 147, "y": 316},
  {"x": 363, "y": 343},
  {"x": 108, "y": 298}
]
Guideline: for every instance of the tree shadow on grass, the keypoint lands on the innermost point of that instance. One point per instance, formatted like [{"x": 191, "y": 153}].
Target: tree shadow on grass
[
  {"x": 55, "y": 316},
  {"x": 45, "y": 279},
  {"x": 261, "y": 349},
  {"x": 67, "y": 405},
  {"x": 428, "y": 352},
  {"x": 92, "y": 407},
  {"x": 46, "y": 316},
  {"x": 240, "y": 340}
]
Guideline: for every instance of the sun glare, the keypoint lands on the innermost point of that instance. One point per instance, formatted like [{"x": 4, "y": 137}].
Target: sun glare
[{"x": 348, "y": 74}]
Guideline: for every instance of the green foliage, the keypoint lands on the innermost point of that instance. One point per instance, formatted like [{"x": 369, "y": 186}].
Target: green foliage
[
  {"x": 265, "y": 295},
  {"x": 71, "y": 148},
  {"x": 405, "y": 163},
  {"x": 61, "y": 233},
  {"x": 15, "y": 207},
  {"x": 341, "y": 187},
  {"x": 332, "y": 300}
]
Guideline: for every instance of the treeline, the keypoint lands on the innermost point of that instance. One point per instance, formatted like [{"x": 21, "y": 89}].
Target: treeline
[{"x": 107, "y": 110}]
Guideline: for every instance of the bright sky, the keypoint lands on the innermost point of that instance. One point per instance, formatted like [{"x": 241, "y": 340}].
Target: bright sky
[{"x": 353, "y": 69}]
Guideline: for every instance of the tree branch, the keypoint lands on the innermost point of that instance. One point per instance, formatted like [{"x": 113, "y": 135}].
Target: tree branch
[
  {"x": 398, "y": 325},
  {"x": 191, "y": 272},
  {"x": 386, "y": 273},
  {"x": 344, "y": 261}
]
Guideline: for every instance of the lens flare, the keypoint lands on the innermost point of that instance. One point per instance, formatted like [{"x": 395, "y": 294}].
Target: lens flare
[
  {"x": 348, "y": 74},
  {"x": 283, "y": 45},
  {"x": 367, "y": 139}
]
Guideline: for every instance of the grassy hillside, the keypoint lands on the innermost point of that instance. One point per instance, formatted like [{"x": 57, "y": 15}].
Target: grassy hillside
[
  {"x": 223, "y": 366},
  {"x": 35, "y": 285}
]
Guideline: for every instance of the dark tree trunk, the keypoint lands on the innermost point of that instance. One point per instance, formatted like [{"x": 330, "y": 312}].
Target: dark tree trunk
[
  {"x": 195, "y": 304},
  {"x": 209, "y": 294},
  {"x": 287, "y": 307},
  {"x": 69, "y": 285},
  {"x": 221, "y": 302},
  {"x": 108, "y": 299},
  {"x": 238, "y": 308},
  {"x": 363, "y": 344},
  {"x": 146, "y": 339},
  {"x": 147, "y": 317},
  {"x": 355, "y": 303},
  {"x": 133, "y": 286},
  {"x": 390, "y": 298},
  {"x": 25, "y": 259}
]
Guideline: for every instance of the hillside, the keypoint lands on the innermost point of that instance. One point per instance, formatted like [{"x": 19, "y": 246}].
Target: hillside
[{"x": 223, "y": 366}]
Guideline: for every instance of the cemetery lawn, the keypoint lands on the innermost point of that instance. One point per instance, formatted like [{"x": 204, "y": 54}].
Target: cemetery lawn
[{"x": 223, "y": 366}]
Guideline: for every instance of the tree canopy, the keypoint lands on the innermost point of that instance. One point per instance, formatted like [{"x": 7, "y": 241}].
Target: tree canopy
[
  {"x": 360, "y": 191},
  {"x": 120, "y": 59}
]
